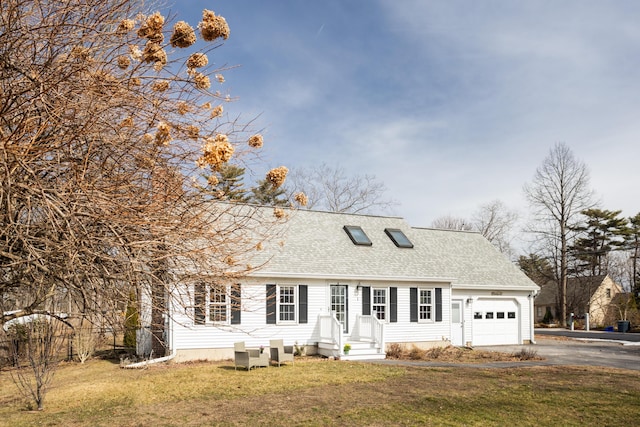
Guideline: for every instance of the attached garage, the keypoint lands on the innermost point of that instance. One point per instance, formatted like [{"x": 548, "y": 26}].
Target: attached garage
[{"x": 496, "y": 322}]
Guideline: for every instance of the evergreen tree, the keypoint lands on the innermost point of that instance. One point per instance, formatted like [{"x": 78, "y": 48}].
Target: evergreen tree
[
  {"x": 537, "y": 268},
  {"x": 602, "y": 232},
  {"x": 229, "y": 184},
  {"x": 633, "y": 244},
  {"x": 131, "y": 321},
  {"x": 268, "y": 194}
]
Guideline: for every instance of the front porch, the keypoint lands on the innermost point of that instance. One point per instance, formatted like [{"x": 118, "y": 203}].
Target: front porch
[{"x": 366, "y": 339}]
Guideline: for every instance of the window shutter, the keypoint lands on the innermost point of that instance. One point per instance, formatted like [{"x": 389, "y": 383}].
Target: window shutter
[
  {"x": 438, "y": 304},
  {"x": 236, "y": 306},
  {"x": 366, "y": 300},
  {"x": 413, "y": 304},
  {"x": 393, "y": 305},
  {"x": 302, "y": 303},
  {"x": 199, "y": 303},
  {"x": 271, "y": 304}
]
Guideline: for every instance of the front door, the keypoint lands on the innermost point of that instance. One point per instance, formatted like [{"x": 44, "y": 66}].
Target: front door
[
  {"x": 339, "y": 305},
  {"x": 457, "y": 323}
]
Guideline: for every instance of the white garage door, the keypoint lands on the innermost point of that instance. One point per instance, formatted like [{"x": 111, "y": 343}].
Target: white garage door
[{"x": 496, "y": 322}]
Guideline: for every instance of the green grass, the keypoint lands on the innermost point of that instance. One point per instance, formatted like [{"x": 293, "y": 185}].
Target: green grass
[{"x": 99, "y": 393}]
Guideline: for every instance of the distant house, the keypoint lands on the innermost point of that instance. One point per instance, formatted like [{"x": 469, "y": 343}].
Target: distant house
[
  {"x": 591, "y": 295},
  {"x": 367, "y": 280}
]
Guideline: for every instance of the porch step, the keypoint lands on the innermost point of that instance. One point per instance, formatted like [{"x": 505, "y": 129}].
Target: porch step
[{"x": 360, "y": 350}]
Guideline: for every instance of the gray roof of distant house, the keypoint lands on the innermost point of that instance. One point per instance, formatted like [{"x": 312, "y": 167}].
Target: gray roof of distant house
[{"x": 316, "y": 245}]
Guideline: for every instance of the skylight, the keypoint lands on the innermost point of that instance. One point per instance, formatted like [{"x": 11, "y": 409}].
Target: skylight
[
  {"x": 357, "y": 235},
  {"x": 398, "y": 237}
]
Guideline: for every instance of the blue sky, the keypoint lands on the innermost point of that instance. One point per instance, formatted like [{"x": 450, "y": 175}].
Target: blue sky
[{"x": 452, "y": 104}]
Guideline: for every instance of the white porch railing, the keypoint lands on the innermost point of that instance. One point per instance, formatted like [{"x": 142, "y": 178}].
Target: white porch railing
[
  {"x": 371, "y": 329},
  {"x": 366, "y": 328},
  {"x": 331, "y": 330}
]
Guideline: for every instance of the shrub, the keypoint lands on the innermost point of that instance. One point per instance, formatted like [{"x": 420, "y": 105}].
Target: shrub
[
  {"x": 395, "y": 351},
  {"x": 526, "y": 354},
  {"x": 416, "y": 353},
  {"x": 85, "y": 343}
]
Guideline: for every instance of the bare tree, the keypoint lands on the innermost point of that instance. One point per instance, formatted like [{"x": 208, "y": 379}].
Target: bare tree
[
  {"x": 36, "y": 351},
  {"x": 558, "y": 193},
  {"x": 332, "y": 189},
  {"x": 495, "y": 222},
  {"x": 449, "y": 222}
]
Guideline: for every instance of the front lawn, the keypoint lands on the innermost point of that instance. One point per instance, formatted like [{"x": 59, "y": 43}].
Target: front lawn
[{"x": 323, "y": 392}]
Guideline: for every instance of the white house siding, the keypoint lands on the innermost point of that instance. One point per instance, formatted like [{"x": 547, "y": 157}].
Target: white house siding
[
  {"x": 422, "y": 333},
  {"x": 216, "y": 341}
]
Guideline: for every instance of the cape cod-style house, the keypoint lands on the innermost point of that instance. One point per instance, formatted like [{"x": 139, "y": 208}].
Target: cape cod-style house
[{"x": 335, "y": 278}]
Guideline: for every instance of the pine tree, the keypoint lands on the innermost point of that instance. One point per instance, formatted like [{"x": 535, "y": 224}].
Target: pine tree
[
  {"x": 131, "y": 321},
  {"x": 229, "y": 185},
  {"x": 633, "y": 244},
  {"x": 268, "y": 194},
  {"x": 602, "y": 232}
]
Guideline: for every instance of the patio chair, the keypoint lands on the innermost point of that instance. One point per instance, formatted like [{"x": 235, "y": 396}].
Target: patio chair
[
  {"x": 249, "y": 358},
  {"x": 280, "y": 353}
]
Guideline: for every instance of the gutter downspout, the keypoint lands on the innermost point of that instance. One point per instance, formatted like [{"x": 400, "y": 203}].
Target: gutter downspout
[{"x": 532, "y": 296}]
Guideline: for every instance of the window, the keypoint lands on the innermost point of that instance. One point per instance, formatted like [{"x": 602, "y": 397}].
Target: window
[
  {"x": 218, "y": 305},
  {"x": 608, "y": 292},
  {"x": 489, "y": 315},
  {"x": 500, "y": 315},
  {"x": 212, "y": 304},
  {"x": 477, "y": 315},
  {"x": 398, "y": 238},
  {"x": 425, "y": 305},
  {"x": 379, "y": 305},
  {"x": 287, "y": 304},
  {"x": 511, "y": 315},
  {"x": 357, "y": 235}
]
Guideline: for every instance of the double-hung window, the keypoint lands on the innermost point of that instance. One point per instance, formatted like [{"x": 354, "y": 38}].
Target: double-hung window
[
  {"x": 218, "y": 305},
  {"x": 379, "y": 303},
  {"x": 287, "y": 303},
  {"x": 425, "y": 305},
  {"x": 213, "y": 304}
]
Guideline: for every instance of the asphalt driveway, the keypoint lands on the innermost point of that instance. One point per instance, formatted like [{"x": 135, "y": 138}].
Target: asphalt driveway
[{"x": 562, "y": 347}]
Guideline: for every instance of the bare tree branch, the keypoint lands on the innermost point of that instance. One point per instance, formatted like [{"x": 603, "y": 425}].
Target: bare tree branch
[{"x": 331, "y": 189}]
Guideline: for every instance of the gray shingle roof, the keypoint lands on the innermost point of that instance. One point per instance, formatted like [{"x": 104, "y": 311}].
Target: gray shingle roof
[{"x": 315, "y": 245}]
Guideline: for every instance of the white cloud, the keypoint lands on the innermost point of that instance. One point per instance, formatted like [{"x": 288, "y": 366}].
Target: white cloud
[{"x": 451, "y": 103}]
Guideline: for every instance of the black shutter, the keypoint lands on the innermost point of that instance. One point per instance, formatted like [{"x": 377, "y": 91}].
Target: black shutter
[
  {"x": 302, "y": 304},
  {"x": 393, "y": 305},
  {"x": 413, "y": 304},
  {"x": 236, "y": 306},
  {"x": 438, "y": 304},
  {"x": 271, "y": 304},
  {"x": 199, "y": 303},
  {"x": 366, "y": 300}
]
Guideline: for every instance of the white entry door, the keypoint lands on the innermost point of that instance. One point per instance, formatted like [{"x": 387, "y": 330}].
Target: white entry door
[{"x": 457, "y": 323}]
